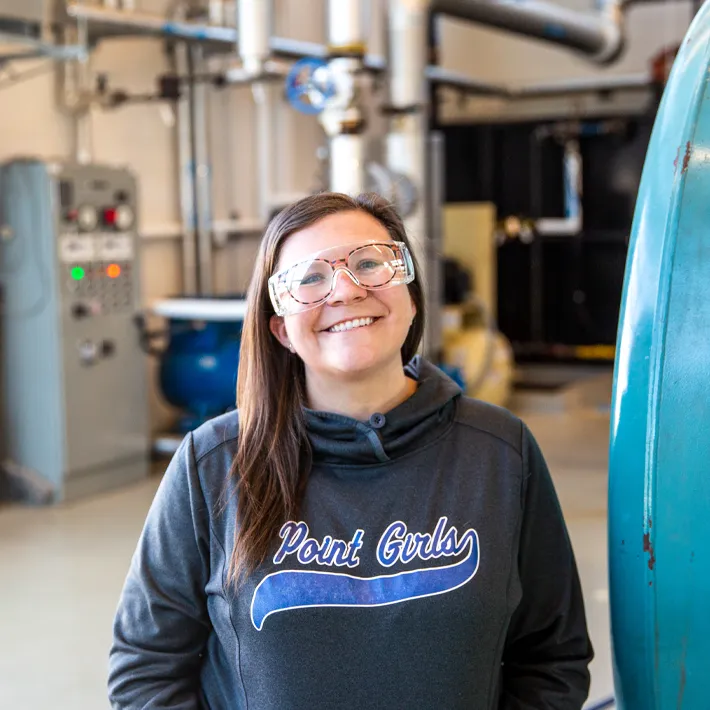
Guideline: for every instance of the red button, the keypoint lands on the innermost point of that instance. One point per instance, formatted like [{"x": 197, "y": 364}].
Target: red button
[{"x": 110, "y": 216}]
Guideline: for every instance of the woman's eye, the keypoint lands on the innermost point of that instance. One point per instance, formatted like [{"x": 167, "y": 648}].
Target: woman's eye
[
  {"x": 368, "y": 264},
  {"x": 311, "y": 279}
]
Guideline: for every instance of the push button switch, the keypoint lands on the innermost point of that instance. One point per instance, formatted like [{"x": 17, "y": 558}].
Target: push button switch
[{"x": 377, "y": 421}]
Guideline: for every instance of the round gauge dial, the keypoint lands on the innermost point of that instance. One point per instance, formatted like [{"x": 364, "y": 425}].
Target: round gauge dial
[
  {"x": 124, "y": 217},
  {"x": 87, "y": 218}
]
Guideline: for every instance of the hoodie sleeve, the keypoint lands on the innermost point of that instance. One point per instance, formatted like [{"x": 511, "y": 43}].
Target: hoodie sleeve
[
  {"x": 161, "y": 625},
  {"x": 547, "y": 651}
]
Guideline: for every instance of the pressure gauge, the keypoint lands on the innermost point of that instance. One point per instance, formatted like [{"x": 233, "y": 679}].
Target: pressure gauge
[
  {"x": 87, "y": 218},
  {"x": 124, "y": 218}
]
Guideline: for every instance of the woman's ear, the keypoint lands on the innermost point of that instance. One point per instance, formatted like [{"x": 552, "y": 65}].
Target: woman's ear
[{"x": 277, "y": 326}]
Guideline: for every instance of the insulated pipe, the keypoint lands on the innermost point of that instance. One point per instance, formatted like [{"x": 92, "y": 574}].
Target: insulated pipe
[
  {"x": 188, "y": 208},
  {"x": 265, "y": 137},
  {"x": 342, "y": 118},
  {"x": 203, "y": 178},
  {"x": 346, "y": 27},
  {"x": 598, "y": 35},
  {"x": 406, "y": 141},
  {"x": 347, "y": 164},
  {"x": 407, "y": 137},
  {"x": 254, "y": 18}
]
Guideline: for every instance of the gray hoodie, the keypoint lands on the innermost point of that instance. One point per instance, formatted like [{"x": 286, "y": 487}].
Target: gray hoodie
[{"x": 429, "y": 567}]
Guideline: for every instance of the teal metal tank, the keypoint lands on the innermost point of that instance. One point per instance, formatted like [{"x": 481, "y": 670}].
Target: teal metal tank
[{"x": 659, "y": 469}]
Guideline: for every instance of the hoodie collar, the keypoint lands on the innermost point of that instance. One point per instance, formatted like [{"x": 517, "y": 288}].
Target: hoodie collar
[{"x": 340, "y": 440}]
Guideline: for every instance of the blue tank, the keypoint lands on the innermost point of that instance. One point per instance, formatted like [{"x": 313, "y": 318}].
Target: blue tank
[
  {"x": 659, "y": 482},
  {"x": 198, "y": 371}
]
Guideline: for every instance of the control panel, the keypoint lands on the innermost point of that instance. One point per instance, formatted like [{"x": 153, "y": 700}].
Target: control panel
[{"x": 97, "y": 244}]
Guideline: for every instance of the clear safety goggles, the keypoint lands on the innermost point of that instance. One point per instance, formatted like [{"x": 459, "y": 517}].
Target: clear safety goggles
[{"x": 371, "y": 265}]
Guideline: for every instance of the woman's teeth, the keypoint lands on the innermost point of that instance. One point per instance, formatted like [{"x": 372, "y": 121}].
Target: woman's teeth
[{"x": 351, "y": 324}]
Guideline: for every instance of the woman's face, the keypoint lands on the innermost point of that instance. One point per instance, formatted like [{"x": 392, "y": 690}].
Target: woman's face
[{"x": 357, "y": 350}]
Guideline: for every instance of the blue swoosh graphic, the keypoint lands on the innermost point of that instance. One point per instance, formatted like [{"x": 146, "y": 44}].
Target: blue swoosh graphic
[{"x": 300, "y": 589}]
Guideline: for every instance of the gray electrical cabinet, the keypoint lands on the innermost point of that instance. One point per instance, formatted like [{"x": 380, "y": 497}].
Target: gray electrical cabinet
[{"x": 72, "y": 374}]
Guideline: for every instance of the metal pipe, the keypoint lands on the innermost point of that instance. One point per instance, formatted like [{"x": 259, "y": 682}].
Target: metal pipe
[
  {"x": 408, "y": 89},
  {"x": 186, "y": 159},
  {"x": 148, "y": 24},
  {"x": 156, "y": 25},
  {"x": 343, "y": 118},
  {"x": 203, "y": 178},
  {"x": 347, "y": 164},
  {"x": 265, "y": 136},
  {"x": 598, "y": 35},
  {"x": 549, "y": 89},
  {"x": 346, "y": 27},
  {"x": 74, "y": 97},
  {"x": 255, "y": 20}
]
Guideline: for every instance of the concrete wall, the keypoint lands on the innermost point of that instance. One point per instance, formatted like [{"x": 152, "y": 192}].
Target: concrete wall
[{"x": 143, "y": 137}]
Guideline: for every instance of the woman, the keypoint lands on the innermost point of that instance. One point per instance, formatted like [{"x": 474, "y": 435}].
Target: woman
[{"x": 399, "y": 545}]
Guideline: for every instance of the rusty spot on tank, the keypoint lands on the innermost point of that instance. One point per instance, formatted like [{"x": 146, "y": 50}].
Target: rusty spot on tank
[
  {"x": 648, "y": 547},
  {"x": 686, "y": 157}
]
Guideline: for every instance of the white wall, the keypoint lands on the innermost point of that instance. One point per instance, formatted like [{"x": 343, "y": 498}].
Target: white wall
[{"x": 140, "y": 136}]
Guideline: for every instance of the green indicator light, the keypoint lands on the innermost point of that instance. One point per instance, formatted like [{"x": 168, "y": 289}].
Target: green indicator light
[{"x": 77, "y": 273}]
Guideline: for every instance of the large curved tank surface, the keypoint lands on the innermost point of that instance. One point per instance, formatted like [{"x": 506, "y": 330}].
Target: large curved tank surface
[{"x": 659, "y": 481}]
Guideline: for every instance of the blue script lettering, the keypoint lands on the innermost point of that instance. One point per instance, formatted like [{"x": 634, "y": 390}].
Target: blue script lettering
[
  {"x": 329, "y": 552},
  {"x": 396, "y": 544}
]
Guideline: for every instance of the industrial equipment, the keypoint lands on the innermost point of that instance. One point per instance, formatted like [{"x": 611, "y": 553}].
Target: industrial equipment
[
  {"x": 75, "y": 411},
  {"x": 659, "y": 487},
  {"x": 198, "y": 358}
]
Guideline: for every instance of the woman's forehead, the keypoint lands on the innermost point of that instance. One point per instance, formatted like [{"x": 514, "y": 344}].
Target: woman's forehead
[{"x": 344, "y": 229}]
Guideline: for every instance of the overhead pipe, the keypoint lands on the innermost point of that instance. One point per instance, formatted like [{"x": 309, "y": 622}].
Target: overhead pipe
[
  {"x": 155, "y": 25},
  {"x": 598, "y": 35}
]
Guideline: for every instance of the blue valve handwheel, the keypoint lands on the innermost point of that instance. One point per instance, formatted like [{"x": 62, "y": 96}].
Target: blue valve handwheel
[{"x": 308, "y": 86}]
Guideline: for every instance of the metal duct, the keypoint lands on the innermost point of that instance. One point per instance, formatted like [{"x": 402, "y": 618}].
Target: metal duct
[{"x": 597, "y": 35}]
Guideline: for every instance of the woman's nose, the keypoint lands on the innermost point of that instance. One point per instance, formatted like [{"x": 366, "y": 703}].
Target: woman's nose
[{"x": 346, "y": 289}]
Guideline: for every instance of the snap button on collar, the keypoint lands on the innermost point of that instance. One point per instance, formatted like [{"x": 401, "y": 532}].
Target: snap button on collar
[{"x": 377, "y": 421}]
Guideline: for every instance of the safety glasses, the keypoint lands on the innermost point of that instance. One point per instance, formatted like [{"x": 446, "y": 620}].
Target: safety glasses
[{"x": 311, "y": 282}]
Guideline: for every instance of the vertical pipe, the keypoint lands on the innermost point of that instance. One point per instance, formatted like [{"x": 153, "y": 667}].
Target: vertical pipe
[
  {"x": 254, "y": 19},
  {"x": 407, "y": 138},
  {"x": 73, "y": 94},
  {"x": 203, "y": 178},
  {"x": 343, "y": 118},
  {"x": 265, "y": 136},
  {"x": 347, "y": 22},
  {"x": 187, "y": 175},
  {"x": 434, "y": 328},
  {"x": 347, "y": 164}
]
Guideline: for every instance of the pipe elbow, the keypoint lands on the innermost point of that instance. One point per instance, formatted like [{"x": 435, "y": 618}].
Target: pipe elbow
[
  {"x": 613, "y": 31},
  {"x": 614, "y": 45}
]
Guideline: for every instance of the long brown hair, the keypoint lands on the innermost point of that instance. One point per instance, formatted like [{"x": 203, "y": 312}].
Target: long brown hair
[{"x": 273, "y": 459}]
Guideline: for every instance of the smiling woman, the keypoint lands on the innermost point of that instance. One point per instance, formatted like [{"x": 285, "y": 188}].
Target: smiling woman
[{"x": 359, "y": 534}]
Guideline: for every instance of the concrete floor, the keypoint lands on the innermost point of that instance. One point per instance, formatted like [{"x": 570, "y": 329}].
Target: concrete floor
[{"x": 62, "y": 568}]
